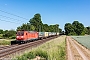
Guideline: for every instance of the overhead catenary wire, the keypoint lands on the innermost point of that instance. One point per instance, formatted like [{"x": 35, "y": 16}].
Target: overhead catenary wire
[
  {"x": 13, "y": 14},
  {"x": 11, "y": 18},
  {"x": 9, "y": 21}
]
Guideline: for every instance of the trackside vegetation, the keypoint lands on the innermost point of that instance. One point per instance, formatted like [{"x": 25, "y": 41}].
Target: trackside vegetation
[
  {"x": 51, "y": 50},
  {"x": 5, "y": 42},
  {"x": 7, "y": 34}
]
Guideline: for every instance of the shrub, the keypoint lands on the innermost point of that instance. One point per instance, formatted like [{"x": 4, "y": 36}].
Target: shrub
[
  {"x": 22, "y": 58},
  {"x": 41, "y": 53},
  {"x": 31, "y": 55},
  {"x": 12, "y": 37}
]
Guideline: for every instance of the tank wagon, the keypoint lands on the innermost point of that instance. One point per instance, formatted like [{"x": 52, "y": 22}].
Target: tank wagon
[{"x": 27, "y": 36}]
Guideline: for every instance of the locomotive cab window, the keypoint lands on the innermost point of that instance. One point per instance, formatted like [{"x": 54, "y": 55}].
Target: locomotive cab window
[
  {"x": 26, "y": 33},
  {"x": 20, "y": 33}
]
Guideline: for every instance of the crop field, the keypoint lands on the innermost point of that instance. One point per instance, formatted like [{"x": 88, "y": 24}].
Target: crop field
[
  {"x": 51, "y": 50},
  {"x": 84, "y": 40}
]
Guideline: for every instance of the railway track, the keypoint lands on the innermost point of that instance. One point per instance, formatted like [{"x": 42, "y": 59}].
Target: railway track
[
  {"x": 7, "y": 50},
  {"x": 5, "y": 47},
  {"x": 75, "y": 50}
]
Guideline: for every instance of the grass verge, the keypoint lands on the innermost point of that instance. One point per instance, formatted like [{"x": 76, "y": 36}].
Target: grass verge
[
  {"x": 51, "y": 50},
  {"x": 5, "y": 42}
]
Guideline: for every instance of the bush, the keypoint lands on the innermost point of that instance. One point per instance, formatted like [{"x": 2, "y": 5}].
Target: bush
[
  {"x": 31, "y": 55},
  {"x": 12, "y": 37},
  {"x": 22, "y": 58},
  {"x": 41, "y": 53}
]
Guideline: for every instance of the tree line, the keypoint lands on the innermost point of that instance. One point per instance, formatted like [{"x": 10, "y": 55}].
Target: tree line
[
  {"x": 36, "y": 24},
  {"x": 76, "y": 28},
  {"x": 11, "y": 34}
]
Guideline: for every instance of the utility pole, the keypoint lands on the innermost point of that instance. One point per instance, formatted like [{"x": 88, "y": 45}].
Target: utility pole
[{"x": 39, "y": 28}]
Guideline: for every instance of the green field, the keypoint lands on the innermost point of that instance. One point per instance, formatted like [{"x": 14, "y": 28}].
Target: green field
[{"x": 84, "y": 40}]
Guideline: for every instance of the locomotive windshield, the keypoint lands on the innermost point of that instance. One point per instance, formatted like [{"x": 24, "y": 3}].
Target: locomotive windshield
[{"x": 20, "y": 33}]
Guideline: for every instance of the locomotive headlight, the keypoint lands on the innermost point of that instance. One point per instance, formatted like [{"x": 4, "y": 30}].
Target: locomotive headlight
[
  {"x": 17, "y": 36},
  {"x": 21, "y": 36}
]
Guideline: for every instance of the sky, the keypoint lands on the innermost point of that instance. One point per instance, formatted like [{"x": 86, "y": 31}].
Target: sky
[{"x": 14, "y": 13}]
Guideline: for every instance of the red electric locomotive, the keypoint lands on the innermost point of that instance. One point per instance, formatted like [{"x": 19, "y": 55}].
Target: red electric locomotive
[{"x": 25, "y": 36}]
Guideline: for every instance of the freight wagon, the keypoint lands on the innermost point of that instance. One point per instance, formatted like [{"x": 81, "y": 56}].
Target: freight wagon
[
  {"x": 49, "y": 34},
  {"x": 43, "y": 35},
  {"x": 57, "y": 33}
]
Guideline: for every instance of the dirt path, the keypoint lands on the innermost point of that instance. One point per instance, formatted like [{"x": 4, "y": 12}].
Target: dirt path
[{"x": 75, "y": 51}]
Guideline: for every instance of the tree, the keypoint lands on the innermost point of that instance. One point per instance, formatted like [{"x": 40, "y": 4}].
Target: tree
[
  {"x": 60, "y": 30},
  {"x": 75, "y": 28},
  {"x": 69, "y": 29},
  {"x": 9, "y": 34},
  {"x": 19, "y": 28},
  {"x": 1, "y": 31},
  {"x": 85, "y": 31},
  {"x": 36, "y": 22},
  {"x": 52, "y": 28},
  {"x": 32, "y": 28},
  {"x": 5, "y": 31},
  {"x": 45, "y": 28},
  {"x": 24, "y": 27},
  {"x": 88, "y": 28},
  {"x": 78, "y": 27},
  {"x": 27, "y": 27},
  {"x": 57, "y": 27}
]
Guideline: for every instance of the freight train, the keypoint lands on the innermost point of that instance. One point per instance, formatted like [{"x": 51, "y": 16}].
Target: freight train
[{"x": 27, "y": 36}]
